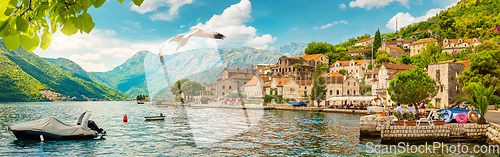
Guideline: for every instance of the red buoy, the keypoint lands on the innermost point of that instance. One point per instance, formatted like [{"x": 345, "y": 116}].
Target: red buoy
[{"x": 125, "y": 118}]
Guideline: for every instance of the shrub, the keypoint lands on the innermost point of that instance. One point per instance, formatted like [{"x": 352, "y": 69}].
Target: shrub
[{"x": 204, "y": 100}]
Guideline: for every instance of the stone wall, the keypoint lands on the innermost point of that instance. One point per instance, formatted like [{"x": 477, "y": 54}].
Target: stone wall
[
  {"x": 370, "y": 125},
  {"x": 493, "y": 135},
  {"x": 443, "y": 133}
]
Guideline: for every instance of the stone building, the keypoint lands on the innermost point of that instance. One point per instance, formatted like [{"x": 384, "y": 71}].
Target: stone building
[
  {"x": 253, "y": 88},
  {"x": 260, "y": 69},
  {"x": 356, "y": 68},
  {"x": 232, "y": 80},
  {"x": 385, "y": 74},
  {"x": 394, "y": 51},
  {"x": 457, "y": 45},
  {"x": 416, "y": 47},
  {"x": 358, "y": 52},
  {"x": 446, "y": 76},
  {"x": 401, "y": 42}
]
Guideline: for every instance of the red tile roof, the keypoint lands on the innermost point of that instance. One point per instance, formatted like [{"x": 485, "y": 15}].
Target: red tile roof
[
  {"x": 269, "y": 67},
  {"x": 242, "y": 76},
  {"x": 332, "y": 74},
  {"x": 466, "y": 63},
  {"x": 265, "y": 79},
  {"x": 425, "y": 40},
  {"x": 334, "y": 79},
  {"x": 236, "y": 70},
  {"x": 309, "y": 57},
  {"x": 397, "y": 66},
  {"x": 394, "y": 47},
  {"x": 252, "y": 82},
  {"x": 363, "y": 40},
  {"x": 283, "y": 82}
]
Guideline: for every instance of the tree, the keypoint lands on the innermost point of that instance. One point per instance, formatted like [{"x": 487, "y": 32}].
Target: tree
[
  {"x": 191, "y": 88},
  {"x": 176, "y": 89},
  {"x": 21, "y": 21},
  {"x": 318, "y": 91},
  {"x": 318, "y": 48},
  {"x": 377, "y": 41},
  {"x": 484, "y": 69},
  {"x": 430, "y": 54},
  {"x": 481, "y": 98},
  {"x": 384, "y": 57},
  {"x": 405, "y": 59},
  {"x": 343, "y": 71},
  {"x": 412, "y": 86}
]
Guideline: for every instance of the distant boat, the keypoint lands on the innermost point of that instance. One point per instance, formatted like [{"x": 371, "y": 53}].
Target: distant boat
[
  {"x": 155, "y": 118},
  {"x": 140, "y": 102},
  {"x": 303, "y": 103}
]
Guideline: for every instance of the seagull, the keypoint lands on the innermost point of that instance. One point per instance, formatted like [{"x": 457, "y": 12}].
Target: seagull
[{"x": 195, "y": 32}]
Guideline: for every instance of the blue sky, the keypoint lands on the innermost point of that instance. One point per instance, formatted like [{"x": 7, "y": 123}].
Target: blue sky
[{"x": 123, "y": 29}]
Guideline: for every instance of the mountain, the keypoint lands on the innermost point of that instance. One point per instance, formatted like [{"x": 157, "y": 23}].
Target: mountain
[
  {"x": 292, "y": 49},
  {"x": 128, "y": 78},
  {"x": 24, "y": 74},
  {"x": 202, "y": 65}
]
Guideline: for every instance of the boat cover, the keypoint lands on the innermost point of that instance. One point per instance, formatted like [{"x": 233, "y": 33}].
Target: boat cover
[{"x": 52, "y": 125}]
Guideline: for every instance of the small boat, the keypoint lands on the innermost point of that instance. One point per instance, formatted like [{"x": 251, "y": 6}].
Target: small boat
[
  {"x": 303, "y": 103},
  {"x": 155, "y": 118},
  {"x": 140, "y": 102},
  {"x": 50, "y": 128}
]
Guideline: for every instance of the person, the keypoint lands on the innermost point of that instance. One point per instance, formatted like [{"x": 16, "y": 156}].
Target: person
[
  {"x": 411, "y": 109},
  {"x": 399, "y": 108},
  {"x": 161, "y": 114}
]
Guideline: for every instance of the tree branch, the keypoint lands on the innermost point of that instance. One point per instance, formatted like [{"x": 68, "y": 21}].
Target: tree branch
[{"x": 29, "y": 8}]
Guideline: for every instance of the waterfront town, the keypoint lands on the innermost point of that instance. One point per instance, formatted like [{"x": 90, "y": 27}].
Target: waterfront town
[{"x": 292, "y": 77}]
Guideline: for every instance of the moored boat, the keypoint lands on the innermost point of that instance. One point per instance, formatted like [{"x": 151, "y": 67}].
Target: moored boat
[
  {"x": 50, "y": 128},
  {"x": 155, "y": 118}
]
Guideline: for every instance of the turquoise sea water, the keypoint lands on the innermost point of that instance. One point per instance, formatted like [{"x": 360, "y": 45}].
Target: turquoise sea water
[{"x": 187, "y": 131}]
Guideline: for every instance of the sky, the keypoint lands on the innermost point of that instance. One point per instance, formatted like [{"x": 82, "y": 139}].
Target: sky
[{"x": 122, "y": 30}]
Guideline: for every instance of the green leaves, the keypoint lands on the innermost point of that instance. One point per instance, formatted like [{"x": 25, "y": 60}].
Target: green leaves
[
  {"x": 68, "y": 16},
  {"x": 87, "y": 23},
  {"x": 13, "y": 41},
  {"x": 98, "y": 3},
  {"x": 137, "y": 2},
  {"x": 69, "y": 27},
  {"x": 21, "y": 24},
  {"x": 46, "y": 40}
]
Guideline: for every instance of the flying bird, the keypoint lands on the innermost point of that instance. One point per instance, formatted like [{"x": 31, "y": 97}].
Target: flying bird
[{"x": 195, "y": 32}]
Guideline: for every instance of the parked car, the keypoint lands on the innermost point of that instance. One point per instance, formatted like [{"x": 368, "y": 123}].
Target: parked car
[{"x": 459, "y": 105}]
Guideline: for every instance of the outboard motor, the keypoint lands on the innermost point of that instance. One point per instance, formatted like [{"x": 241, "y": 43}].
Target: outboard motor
[{"x": 93, "y": 126}]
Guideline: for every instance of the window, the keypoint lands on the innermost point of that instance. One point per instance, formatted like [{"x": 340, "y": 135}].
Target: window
[
  {"x": 348, "y": 83},
  {"x": 338, "y": 92},
  {"x": 438, "y": 76},
  {"x": 354, "y": 83},
  {"x": 223, "y": 93},
  {"x": 347, "y": 92},
  {"x": 305, "y": 87},
  {"x": 244, "y": 82},
  {"x": 229, "y": 87},
  {"x": 305, "y": 93},
  {"x": 236, "y": 83},
  {"x": 223, "y": 87},
  {"x": 354, "y": 92},
  {"x": 441, "y": 87},
  {"x": 331, "y": 93}
]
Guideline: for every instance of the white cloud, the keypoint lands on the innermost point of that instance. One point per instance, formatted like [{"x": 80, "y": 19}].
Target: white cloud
[
  {"x": 260, "y": 42},
  {"x": 294, "y": 28},
  {"x": 231, "y": 24},
  {"x": 148, "y": 6},
  {"x": 332, "y": 24},
  {"x": 404, "y": 19},
  {"x": 342, "y": 6},
  {"x": 153, "y": 5},
  {"x": 368, "y": 4},
  {"x": 182, "y": 26}
]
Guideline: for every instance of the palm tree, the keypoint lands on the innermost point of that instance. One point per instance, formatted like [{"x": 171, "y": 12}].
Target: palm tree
[{"x": 481, "y": 97}]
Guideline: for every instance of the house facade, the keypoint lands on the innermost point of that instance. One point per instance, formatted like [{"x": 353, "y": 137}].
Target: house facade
[
  {"x": 232, "y": 80},
  {"x": 365, "y": 42},
  {"x": 253, "y": 88},
  {"x": 416, "y": 47},
  {"x": 385, "y": 74},
  {"x": 457, "y": 45},
  {"x": 358, "y": 52},
  {"x": 356, "y": 68}
]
